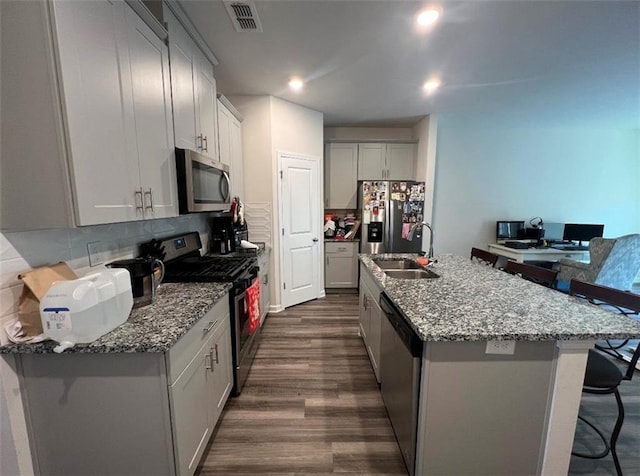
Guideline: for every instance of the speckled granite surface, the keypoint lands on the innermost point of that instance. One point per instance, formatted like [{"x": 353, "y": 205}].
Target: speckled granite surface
[
  {"x": 152, "y": 328},
  {"x": 473, "y": 302}
]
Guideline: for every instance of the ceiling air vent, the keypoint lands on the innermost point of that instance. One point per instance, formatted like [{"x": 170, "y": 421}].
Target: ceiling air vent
[{"x": 243, "y": 16}]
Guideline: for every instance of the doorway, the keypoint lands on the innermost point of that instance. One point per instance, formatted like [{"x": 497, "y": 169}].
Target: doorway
[{"x": 300, "y": 225}]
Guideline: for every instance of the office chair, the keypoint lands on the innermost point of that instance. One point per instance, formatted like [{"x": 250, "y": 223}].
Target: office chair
[
  {"x": 543, "y": 276},
  {"x": 484, "y": 257},
  {"x": 603, "y": 376}
]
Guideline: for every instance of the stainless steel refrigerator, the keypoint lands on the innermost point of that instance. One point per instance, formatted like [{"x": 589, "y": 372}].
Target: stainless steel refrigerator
[{"x": 392, "y": 216}]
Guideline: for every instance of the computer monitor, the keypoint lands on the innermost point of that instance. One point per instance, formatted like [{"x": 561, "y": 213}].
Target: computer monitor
[
  {"x": 508, "y": 230},
  {"x": 581, "y": 232},
  {"x": 553, "y": 231}
]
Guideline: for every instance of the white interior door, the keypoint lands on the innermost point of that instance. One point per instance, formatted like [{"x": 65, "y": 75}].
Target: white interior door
[{"x": 300, "y": 219}]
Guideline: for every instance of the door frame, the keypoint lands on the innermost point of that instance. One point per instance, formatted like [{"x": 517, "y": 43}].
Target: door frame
[{"x": 277, "y": 234}]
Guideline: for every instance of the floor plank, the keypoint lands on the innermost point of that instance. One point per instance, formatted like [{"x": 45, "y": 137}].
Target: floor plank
[{"x": 311, "y": 404}]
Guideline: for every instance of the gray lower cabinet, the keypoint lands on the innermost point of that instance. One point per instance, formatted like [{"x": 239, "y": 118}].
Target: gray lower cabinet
[
  {"x": 370, "y": 319},
  {"x": 129, "y": 413},
  {"x": 341, "y": 267}
]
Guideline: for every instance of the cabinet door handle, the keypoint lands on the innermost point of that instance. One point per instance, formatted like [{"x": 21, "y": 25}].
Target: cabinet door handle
[
  {"x": 211, "y": 324},
  {"x": 205, "y": 146},
  {"x": 266, "y": 279},
  {"x": 199, "y": 146},
  {"x": 138, "y": 195},
  {"x": 208, "y": 366},
  {"x": 150, "y": 195},
  {"x": 364, "y": 302},
  {"x": 327, "y": 260},
  {"x": 216, "y": 349}
]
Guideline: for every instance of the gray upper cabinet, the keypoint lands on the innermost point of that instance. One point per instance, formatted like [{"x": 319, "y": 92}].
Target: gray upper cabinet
[
  {"x": 381, "y": 161},
  {"x": 340, "y": 175},
  {"x": 194, "y": 92},
  {"x": 96, "y": 143}
]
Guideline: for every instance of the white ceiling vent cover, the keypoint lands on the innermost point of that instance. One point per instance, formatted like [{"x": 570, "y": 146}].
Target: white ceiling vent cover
[{"x": 244, "y": 16}]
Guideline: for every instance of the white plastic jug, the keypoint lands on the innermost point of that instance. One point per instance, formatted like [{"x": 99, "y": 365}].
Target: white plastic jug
[{"x": 84, "y": 309}]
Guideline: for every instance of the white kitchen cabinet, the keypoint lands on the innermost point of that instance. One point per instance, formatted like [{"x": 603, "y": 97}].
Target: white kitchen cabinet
[
  {"x": 130, "y": 413},
  {"x": 370, "y": 319},
  {"x": 222, "y": 369},
  {"x": 194, "y": 92},
  {"x": 151, "y": 90},
  {"x": 341, "y": 270},
  {"x": 200, "y": 392},
  {"x": 102, "y": 150},
  {"x": 265, "y": 285},
  {"x": 381, "y": 161},
  {"x": 340, "y": 176},
  {"x": 230, "y": 143}
]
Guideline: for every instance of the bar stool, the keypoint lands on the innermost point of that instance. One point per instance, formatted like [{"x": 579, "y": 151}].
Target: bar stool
[
  {"x": 484, "y": 257},
  {"x": 543, "y": 276},
  {"x": 603, "y": 376}
]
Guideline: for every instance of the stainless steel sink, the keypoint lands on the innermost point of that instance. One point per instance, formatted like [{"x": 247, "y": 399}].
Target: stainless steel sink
[
  {"x": 396, "y": 264},
  {"x": 411, "y": 273}
]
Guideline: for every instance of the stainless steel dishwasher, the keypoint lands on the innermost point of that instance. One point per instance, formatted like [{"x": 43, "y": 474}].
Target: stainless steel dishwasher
[{"x": 400, "y": 363}]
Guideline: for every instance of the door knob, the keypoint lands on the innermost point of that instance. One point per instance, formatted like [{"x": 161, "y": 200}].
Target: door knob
[{"x": 315, "y": 240}]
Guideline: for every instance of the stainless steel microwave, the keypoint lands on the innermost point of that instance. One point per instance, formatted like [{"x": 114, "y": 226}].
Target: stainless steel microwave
[{"x": 203, "y": 183}]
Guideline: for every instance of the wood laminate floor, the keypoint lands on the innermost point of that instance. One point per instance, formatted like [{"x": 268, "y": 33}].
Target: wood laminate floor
[{"x": 311, "y": 405}]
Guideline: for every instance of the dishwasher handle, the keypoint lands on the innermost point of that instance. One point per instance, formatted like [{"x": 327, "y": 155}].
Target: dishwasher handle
[{"x": 407, "y": 335}]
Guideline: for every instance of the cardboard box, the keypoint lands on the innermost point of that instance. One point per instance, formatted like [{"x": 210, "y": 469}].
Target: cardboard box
[{"x": 36, "y": 283}]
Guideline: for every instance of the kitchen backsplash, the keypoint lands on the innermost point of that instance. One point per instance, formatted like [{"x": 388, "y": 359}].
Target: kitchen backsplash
[{"x": 22, "y": 251}]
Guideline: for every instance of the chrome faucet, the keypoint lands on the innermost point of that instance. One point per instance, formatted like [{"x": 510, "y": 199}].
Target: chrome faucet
[{"x": 430, "y": 255}]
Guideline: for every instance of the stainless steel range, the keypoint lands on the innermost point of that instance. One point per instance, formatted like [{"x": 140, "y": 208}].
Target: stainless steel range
[{"x": 183, "y": 263}]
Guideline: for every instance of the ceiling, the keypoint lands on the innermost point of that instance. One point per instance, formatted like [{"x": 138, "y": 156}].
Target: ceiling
[{"x": 364, "y": 62}]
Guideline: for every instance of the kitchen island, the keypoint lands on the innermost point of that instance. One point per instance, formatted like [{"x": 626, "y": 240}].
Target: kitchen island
[
  {"x": 142, "y": 399},
  {"x": 482, "y": 412}
]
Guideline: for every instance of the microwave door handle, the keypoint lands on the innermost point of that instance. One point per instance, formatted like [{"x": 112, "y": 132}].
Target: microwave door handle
[{"x": 225, "y": 196}]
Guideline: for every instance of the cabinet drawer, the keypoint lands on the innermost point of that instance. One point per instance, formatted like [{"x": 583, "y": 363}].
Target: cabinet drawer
[
  {"x": 344, "y": 249},
  {"x": 183, "y": 352}
]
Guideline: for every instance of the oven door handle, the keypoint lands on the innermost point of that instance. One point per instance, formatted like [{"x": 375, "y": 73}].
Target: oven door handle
[{"x": 240, "y": 297}]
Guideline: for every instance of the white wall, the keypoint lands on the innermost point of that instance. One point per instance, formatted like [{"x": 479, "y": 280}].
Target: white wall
[
  {"x": 485, "y": 174},
  {"x": 23, "y": 251},
  {"x": 271, "y": 125}
]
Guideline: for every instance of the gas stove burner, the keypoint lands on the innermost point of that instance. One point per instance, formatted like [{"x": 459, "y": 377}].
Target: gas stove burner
[{"x": 207, "y": 268}]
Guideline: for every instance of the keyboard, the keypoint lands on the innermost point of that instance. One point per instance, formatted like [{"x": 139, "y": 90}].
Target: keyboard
[
  {"x": 570, "y": 247},
  {"x": 518, "y": 245}
]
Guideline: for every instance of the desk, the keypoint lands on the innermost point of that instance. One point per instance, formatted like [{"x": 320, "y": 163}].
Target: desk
[{"x": 537, "y": 254}]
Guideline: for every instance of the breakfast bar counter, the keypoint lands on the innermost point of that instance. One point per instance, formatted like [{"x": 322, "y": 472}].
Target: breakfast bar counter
[
  {"x": 499, "y": 374},
  {"x": 471, "y": 302}
]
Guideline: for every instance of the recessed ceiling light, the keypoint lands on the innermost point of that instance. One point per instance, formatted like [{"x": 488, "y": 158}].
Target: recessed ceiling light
[
  {"x": 431, "y": 85},
  {"x": 428, "y": 17},
  {"x": 296, "y": 84}
]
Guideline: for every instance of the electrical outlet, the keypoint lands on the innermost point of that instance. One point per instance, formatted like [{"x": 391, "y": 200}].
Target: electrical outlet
[
  {"x": 506, "y": 347},
  {"x": 96, "y": 252}
]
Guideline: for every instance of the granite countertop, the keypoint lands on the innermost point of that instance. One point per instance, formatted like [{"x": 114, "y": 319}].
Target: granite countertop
[
  {"x": 474, "y": 302},
  {"x": 153, "y": 328},
  {"x": 336, "y": 240}
]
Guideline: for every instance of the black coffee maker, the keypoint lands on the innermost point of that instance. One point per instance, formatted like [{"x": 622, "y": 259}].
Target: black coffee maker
[{"x": 226, "y": 235}]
